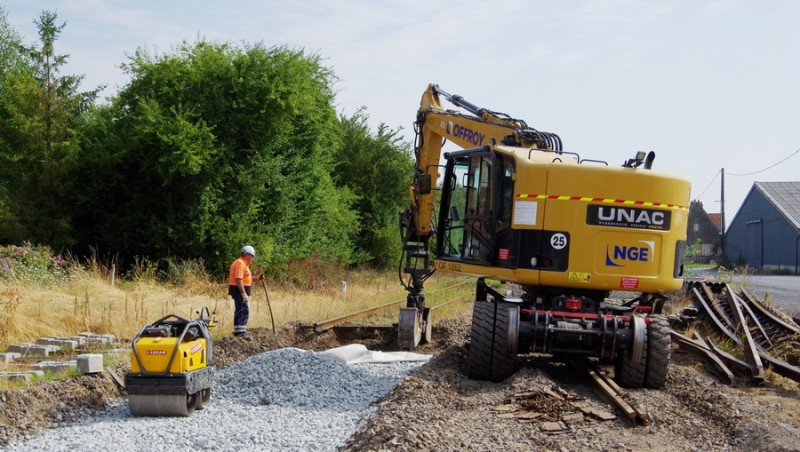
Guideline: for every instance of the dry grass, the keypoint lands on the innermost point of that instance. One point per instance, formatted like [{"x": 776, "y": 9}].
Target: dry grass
[{"x": 87, "y": 302}]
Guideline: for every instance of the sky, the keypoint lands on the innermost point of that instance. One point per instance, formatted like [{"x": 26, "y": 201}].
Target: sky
[{"x": 706, "y": 85}]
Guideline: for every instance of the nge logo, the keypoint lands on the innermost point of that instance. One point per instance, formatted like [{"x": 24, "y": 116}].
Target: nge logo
[{"x": 622, "y": 254}]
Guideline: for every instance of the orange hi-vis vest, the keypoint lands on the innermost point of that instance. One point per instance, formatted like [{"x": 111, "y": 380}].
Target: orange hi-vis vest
[{"x": 240, "y": 270}]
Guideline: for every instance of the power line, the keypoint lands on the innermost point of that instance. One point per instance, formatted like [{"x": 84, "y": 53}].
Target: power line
[
  {"x": 709, "y": 186},
  {"x": 769, "y": 167}
]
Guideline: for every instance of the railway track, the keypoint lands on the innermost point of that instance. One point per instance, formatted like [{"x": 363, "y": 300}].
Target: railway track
[
  {"x": 767, "y": 338},
  {"x": 600, "y": 378},
  {"x": 342, "y": 320}
]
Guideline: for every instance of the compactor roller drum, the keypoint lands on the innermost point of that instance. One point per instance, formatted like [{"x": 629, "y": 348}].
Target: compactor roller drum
[{"x": 176, "y": 405}]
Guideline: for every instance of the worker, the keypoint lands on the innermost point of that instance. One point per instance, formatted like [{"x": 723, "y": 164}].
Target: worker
[{"x": 240, "y": 282}]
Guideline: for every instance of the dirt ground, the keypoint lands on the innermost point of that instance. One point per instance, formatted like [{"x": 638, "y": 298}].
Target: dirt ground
[{"x": 439, "y": 408}]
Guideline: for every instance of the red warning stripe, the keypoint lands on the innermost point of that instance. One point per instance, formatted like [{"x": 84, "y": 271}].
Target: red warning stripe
[{"x": 603, "y": 200}]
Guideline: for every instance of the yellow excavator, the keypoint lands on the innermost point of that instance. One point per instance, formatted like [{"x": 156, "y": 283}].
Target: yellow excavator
[
  {"x": 514, "y": 207},
  {"x": 171, "y": 366}
]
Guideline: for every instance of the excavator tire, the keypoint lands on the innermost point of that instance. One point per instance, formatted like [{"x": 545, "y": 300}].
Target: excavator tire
[
  {"x": 658, "y": 352},
  {"x": 628, "y": 374},
  {"x": 493, "y": 337}
]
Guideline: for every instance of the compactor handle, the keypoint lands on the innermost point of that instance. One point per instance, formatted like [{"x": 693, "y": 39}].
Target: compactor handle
[{"x": 206, "y": 316}]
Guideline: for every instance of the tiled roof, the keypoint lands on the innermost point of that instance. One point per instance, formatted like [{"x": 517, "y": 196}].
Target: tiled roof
[
  {"x": 785, "y": 196},
  {"x": 716, "y": 218}
]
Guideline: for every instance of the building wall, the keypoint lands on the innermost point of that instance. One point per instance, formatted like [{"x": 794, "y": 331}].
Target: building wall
[
  {"x": 701, "y": 227},
  {"x": 760, "y": 236}
]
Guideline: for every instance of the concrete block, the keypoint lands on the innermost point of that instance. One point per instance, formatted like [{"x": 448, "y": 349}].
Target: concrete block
[
  {"x": 54, "y": 366},
  {"x": 21, "y": 376},
  {"x": 90, "y": 363},
  {"x": 60, "y": 343},
  {"x": 7, "y": 357},
  {"x": 31, "y": 349},
  {"x": 93, "y": 338},
  {"x": 15, "y": 376}
]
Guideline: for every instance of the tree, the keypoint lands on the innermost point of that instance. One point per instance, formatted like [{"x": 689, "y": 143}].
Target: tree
[
  {"x": 694, "y": 249},
  {"x": 10, "y": 63},
  {"x": 40, "y": 109},
  {"x": 213, "y": 146},
  {"x": 377, "y": 168}
]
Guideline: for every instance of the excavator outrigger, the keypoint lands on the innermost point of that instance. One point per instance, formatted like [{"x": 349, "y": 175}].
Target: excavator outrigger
[{"x": 515, "y": 207}]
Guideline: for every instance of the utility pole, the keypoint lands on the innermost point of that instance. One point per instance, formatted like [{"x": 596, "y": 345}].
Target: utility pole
[{"x": 722, "y": 214}]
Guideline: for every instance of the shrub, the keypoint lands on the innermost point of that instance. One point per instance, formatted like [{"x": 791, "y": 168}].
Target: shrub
[{"x": 28, "y": 262}]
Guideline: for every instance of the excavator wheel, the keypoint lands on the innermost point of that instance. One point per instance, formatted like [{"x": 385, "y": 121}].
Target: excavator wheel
[
  {"x": 658, "y": 352},
  {"x": 173, "y": 405},
  {"x": 493, "y": 341},
  {"x": 631, "y": 365}
]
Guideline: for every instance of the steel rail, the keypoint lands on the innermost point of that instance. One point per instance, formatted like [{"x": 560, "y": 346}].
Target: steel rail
[
  {"x": 764, "y": 310},
  {"x": 757, "y": 340},
  {"x": 325, "y": 325},
  {"x": 759, "y": 330},
  {"x": 748, "y": 344},
  {"x": 607, "y": 386},
  {"x": 717, "y": 322}
]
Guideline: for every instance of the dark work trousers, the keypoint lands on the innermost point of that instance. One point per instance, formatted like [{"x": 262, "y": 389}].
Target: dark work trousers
[{"x": 241, "y": 311}]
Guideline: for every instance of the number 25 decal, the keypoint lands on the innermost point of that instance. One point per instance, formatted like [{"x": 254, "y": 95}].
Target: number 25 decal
[{"x": 558, "y": 241}]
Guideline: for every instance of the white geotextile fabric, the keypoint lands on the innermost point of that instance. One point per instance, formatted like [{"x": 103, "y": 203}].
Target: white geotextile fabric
[{"x": 359, "y": 354}]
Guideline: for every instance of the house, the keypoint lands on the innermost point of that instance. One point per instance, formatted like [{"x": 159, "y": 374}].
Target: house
[
  {"x": 703, "y": 226},
  {"x": 765, "y": 232}
]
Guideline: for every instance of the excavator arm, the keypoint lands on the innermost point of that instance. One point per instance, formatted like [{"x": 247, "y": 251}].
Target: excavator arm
[{"x": 434, "y": 125}]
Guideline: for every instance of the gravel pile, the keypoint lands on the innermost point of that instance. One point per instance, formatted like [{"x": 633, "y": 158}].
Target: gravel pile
[{"x": 287, "y": 399}]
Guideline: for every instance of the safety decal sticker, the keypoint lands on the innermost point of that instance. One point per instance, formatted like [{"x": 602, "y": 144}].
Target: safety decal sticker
[
  {"x": 628, "y": 283},
  {"x": 196, "y": 348},
  {"x": 525, "y": 213},
  {"x": 603, "y": 200},
  {"x": 579, "y": 277}
]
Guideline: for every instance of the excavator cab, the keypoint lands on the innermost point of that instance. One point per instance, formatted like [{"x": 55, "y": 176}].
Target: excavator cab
[{"x": 478, "y": 196}]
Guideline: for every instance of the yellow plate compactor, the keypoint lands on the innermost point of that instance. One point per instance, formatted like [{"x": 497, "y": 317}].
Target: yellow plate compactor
[{"x": 171, "y": 370}]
